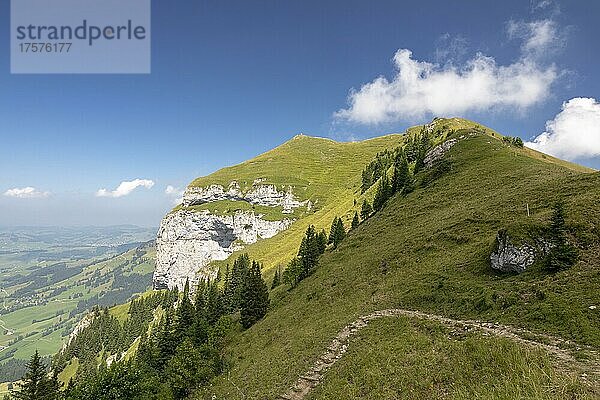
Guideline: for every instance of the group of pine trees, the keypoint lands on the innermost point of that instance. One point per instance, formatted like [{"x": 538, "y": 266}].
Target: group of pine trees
[
  {"x": 312, "y": 246},
  {"x": 402, "y": 182},
  {"x": 376, "y": 168},
  {"x": 245, "y": 290},
  {"x": 413, "y": 152},
  {"x": 175, "y": 355}
]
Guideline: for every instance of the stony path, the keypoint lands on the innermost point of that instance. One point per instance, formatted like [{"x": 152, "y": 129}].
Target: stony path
[{"x": 336, "y": 349}]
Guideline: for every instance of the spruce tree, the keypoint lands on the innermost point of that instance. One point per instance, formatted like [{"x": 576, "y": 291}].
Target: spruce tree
[
  {"x": 423, "y": 146},
  {"x": 185, "y": 313},
  {"x": 401, "y": 181},
  {"x": 239, "y": 272},
  {"x": 227, "y": 295},
  {"x": 355, "y": 221},
  {"x": 321, "y": 242},
  {"x": 293, "y": 272},
  {"x": 367, "y": 180},
  {"x": 255, "y": 297},
  {"x": 35, "y": 385},
  {"x": 276, "y": 278},
  {"x": 332, "y": 231},
  {"x": 562, "y": 254},
  {"x": 338, "y": 232},
  {"x": 366, "y": 210},
  {"x": 309, "y": 251},
  {"x": 167, "y": 339},
  {"x": 383, "y": 193},
  {"x": 214, "y": 303},
  {"x": 184, "y": 372}
]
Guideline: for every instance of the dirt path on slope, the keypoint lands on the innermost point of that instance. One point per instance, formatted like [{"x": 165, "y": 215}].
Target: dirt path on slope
[{"x": 553, "y": 345}]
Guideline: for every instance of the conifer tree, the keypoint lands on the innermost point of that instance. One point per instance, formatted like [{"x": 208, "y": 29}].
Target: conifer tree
[
  {"x": 321, "y": 244},
  {"x": 293, "y": 272},
  {"x": 366, "y": 210},
  {"x": 367, "y": 180},
  {"x": 401, "y": 181},
  {"x": 276, "y": 278},
  {"x": 383, "y": 193},
  {"x": 338, "y": 232},
  {"x": 562, "y": 255},
  {"x": 309, "y": 252},
  {"x": 184, "y": 371},
  {"x": 35, "y": 383},
  {"x": 214, "y": 303},
  {"x": 239, "y": 272},
  {"x": 227, "y": 295},
  {"x": 255, "y": 297},
  {"x": 167, "y": 338},
  {"x": 185, "y": 313},
  {"x": 332, "y": 231},
  {"x": 355, "y": 221},
  {"x": 423, "y": 146}
]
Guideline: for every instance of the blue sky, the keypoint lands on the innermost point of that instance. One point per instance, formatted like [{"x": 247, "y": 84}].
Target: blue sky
[{"x": 231, "y": 79}]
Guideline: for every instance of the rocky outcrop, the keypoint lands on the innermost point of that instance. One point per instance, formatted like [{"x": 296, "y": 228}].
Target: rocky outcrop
[
  {"x": 258, "y": 194},
  {"x": 188, "y": 241},
  {"x": 85, "y": 322},
  {"x": 438, "y": 152},
  {"x": 508, "y": 257}
]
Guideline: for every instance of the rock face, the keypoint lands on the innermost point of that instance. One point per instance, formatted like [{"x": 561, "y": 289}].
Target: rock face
[
  {"x": 188, "y": 241},
  {"x": 85, "y": 322},
  {"x": 258, "y": 194},
  {"x": 437, "y": 153},
  {"x": 510, "y": 258}
]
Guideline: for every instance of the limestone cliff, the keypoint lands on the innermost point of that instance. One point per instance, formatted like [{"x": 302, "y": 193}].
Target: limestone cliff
[{"x": 188, "y": 240}]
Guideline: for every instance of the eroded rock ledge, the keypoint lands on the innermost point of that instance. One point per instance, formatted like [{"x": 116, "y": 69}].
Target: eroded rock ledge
[
  {"x": 258, "y": 194},
  {"x": 188, "y": 241}
]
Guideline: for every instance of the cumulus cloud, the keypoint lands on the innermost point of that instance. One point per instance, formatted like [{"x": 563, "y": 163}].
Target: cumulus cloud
[
  {"x": 26, "y": 193},
  {"x": 420, "y": 88},
  {"x": 175, "y": 193},
  {"x": 574, "y": 132},
  {"x": 125, "y": 188}
]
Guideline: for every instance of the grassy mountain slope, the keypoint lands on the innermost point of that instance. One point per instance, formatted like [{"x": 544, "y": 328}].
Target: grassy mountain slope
[
  {"x": 435, "y": 245},
  {"x": 329, "y": 174},
  {"x": 321, "y": 170}
]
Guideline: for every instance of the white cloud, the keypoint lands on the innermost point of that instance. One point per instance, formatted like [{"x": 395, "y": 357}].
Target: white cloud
[
  {"x": 574, "y": 132},
  {"x": 175, "y": 193},
  {"x": 540, "y": 38},
  {"x": 420, "y": 88},
  {"x": 125, "y": 188},
  {"x": 26, "y": 193}
]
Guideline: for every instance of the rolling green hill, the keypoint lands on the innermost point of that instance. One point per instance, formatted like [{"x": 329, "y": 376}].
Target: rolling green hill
[{"x": 435, "y": 245}]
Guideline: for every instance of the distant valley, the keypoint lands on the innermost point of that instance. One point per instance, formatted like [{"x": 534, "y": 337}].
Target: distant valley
[{"x": 51, "y": 276}]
